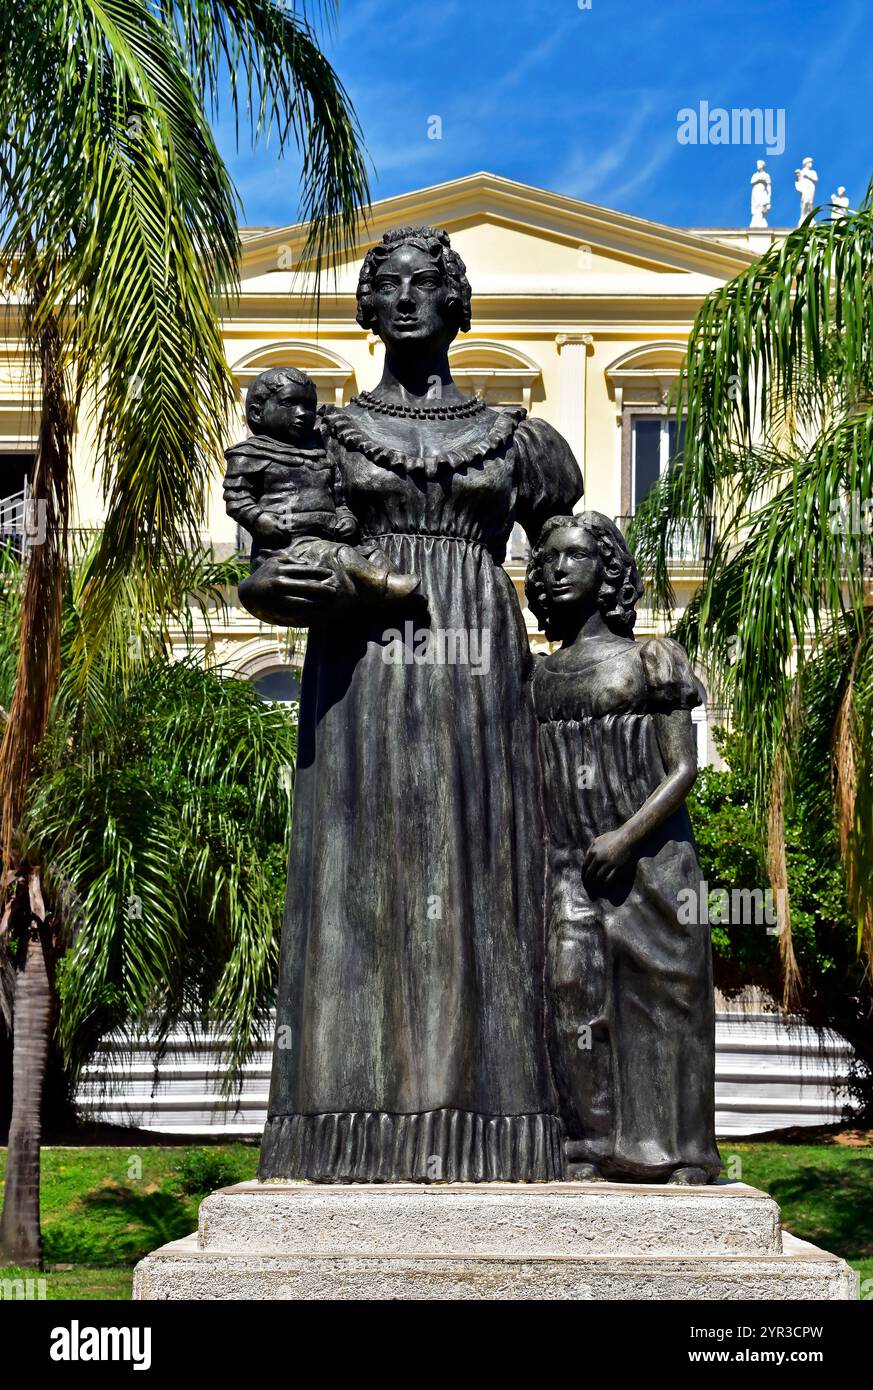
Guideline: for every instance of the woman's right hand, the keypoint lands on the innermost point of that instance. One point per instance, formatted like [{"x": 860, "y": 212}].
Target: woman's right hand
[
  {"x": 293, "y": 592},
  {"x": 294, "y": 589}
]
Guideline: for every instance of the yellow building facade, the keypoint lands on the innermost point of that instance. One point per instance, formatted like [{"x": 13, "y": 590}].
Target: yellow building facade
[{"x": 580, "y": 314}]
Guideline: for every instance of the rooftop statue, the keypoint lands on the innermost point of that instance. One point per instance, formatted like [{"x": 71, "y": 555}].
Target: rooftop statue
[
  {"x": 806, "y": 182},
  {"x": 760, "y": 195},
  {"x": 839, "y": 203}
]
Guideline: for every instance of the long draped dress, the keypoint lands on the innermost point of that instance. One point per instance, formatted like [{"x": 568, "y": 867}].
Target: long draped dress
[
  {"x": 410, "y": 1033},
  {"x": 629, "y": 976}
]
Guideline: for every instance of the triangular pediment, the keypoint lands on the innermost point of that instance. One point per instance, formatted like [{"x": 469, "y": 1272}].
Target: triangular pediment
[{"x": 518, "y": 239}]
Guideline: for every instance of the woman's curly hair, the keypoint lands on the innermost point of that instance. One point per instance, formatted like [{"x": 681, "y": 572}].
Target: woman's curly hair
[
  {"x": 621, "y": 588},
  {"x": 436, "y": 243}
]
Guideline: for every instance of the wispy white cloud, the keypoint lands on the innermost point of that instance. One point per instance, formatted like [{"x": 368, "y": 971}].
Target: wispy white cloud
[
  {"x": 619, "y": 146},
  {"x": 644, "y": 177},
  {"x": 585, "y": 101}
]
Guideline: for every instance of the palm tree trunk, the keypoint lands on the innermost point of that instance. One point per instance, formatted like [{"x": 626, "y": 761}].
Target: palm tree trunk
[
  {"x": 39, "y": 650},
  {"x": 35, "y": 688},
  {"x": 20, "y": 1235}
]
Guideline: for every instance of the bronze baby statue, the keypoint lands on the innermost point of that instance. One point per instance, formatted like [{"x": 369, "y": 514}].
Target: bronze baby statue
[
  {"x": 631, "y": 1012},
  {"x": 283, "y": 488}
]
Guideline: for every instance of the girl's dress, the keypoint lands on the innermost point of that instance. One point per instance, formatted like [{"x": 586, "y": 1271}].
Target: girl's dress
[{"x": 630, "y": 976}]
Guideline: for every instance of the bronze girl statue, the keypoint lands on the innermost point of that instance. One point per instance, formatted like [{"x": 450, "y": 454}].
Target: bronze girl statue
[{"x": 628, "y": 984}]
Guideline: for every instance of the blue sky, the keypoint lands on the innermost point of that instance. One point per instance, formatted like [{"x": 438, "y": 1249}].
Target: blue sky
[{"x": 585, "y": 101}]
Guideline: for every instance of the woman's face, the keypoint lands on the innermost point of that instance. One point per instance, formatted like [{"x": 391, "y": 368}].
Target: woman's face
[
  {"x": 411, "y": 301},
  {"x": 572, "y": 569}
]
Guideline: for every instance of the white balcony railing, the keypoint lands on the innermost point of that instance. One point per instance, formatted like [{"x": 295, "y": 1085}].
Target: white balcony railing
[{"x": 691, "y": 546}]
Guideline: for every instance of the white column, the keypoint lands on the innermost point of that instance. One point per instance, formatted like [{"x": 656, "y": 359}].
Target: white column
[
  {"x": 572, "y": 384},
  {"x": 700, "y": 723}
]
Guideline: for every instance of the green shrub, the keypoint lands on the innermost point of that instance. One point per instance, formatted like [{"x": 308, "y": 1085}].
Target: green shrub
[{"x": 203, "y": 1170}]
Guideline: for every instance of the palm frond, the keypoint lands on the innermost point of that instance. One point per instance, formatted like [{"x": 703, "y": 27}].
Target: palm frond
[
  {"x": 164, "y": 828},
  {"x": 765, "y": 340},
  {"x": 778, "y": 459},
  {"x": 133, "y": 239},
  {"x": 853, "y": 776},
  {"x": 279, "y": 77}
]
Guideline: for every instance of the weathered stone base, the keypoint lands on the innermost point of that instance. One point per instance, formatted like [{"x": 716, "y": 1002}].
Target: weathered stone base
[{"x": 592, "y": 1241}]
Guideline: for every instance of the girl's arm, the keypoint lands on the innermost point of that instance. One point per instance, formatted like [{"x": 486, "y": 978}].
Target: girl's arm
[{"x": 675, "y": 734}]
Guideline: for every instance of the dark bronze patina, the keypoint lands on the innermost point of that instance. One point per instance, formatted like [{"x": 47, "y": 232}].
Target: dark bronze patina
[{"x": 415, "y": 1040}]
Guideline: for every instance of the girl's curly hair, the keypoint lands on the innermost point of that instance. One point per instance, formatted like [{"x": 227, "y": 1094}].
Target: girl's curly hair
[
  {"x": 621, "y": 588},
  {"x": 436, "y": 243}
]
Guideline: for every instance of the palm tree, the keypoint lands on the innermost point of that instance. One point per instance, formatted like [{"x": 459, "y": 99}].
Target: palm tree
[
  {"x": 158, "y": 811},
  {"x": 161, "y": 812},
  {"x": 118, "y": 232},
  {"x": 165, "y": 827},
  {"x": 777, "y": 471}
]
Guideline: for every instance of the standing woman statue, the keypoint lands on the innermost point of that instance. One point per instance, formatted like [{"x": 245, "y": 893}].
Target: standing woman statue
[
  {"x": 761, "y": 189},
  {"x": 631, "y": 1022},
  {"x": 411, "y": 1041},
  {"x": 805, "y": 181}
]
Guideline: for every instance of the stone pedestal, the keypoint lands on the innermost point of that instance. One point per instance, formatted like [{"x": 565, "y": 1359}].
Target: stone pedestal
[{"x": 491, "y": 1241}]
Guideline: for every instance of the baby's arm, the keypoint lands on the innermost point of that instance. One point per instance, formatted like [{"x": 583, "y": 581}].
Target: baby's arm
[
  {"x": 346, "y": 521},
  {"x": 675, "y": 735},
  {"x": 242, "y": 493}
]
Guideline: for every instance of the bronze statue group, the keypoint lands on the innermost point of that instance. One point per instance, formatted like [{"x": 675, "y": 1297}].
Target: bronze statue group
[{"x": 484, "y": 974}]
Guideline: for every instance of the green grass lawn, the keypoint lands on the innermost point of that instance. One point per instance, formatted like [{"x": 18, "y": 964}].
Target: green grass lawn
[
  {"x": 104, "y": 1208},
  {"x": 825, "y": 1192}
]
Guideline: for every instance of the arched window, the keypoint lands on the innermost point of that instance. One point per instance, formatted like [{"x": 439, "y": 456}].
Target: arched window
[
  {"x": 280, "y": 685},
  {"x": 642, "y": 382},
  {"x": 334, "y": 377},
  {"x": 271, "y": 667},
  {"x": 497, "y": 373}
]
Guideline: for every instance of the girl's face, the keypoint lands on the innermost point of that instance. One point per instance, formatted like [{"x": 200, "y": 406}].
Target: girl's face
[
  {"x": 572, "y": 569},
  {"x": 411, "y": 300}
]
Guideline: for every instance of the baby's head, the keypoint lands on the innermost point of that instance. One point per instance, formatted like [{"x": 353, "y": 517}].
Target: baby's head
[{"x": 282, "y": 403}]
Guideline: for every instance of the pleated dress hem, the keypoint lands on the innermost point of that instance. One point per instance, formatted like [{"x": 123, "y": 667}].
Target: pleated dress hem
[{"x": 432, "y": 1146}]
